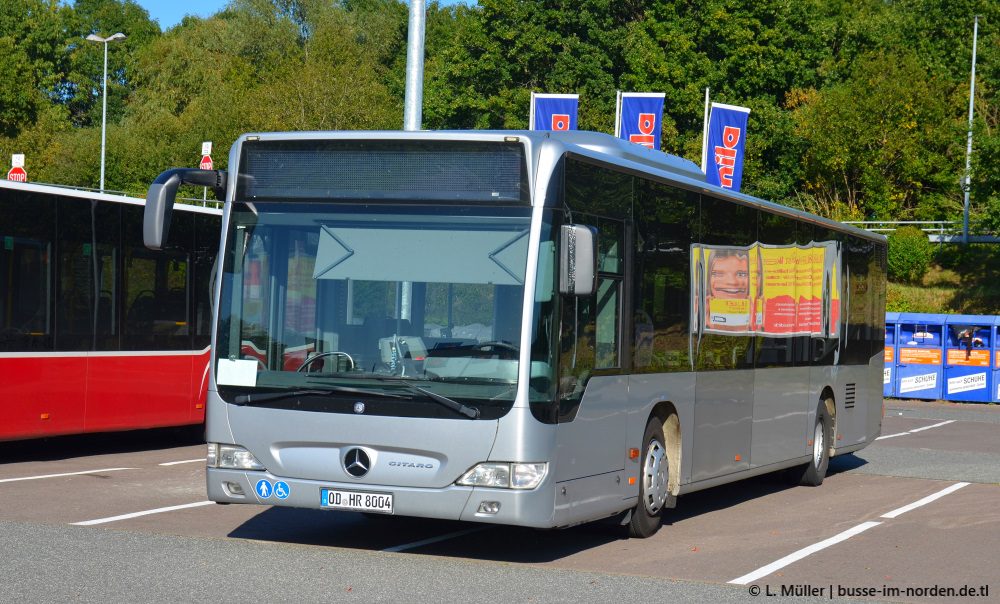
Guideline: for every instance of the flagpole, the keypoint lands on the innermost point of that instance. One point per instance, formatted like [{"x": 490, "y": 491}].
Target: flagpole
[
  {"x": 531, "y": 112},
  {"x": 618, "y": 114},
  {"x": 704, "y": 136}
]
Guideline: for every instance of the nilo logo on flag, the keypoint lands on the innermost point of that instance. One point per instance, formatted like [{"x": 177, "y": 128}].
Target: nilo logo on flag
[
  {"x": 639, "y": 117},
  {"x": 553, "y": 111},
  {"x": 727, "y": 126}
]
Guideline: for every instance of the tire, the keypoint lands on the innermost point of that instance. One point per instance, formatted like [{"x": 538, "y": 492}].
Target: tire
[
  {"x": 654, "y": 487},
  {"x": 813, "y": 473}
]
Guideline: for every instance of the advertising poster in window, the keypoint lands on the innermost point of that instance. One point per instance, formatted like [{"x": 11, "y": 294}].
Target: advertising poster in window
[{"x": 770, "y": 290}]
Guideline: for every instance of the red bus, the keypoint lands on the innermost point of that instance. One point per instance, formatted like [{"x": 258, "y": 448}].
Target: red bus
[{"x": 97, "y": 332}]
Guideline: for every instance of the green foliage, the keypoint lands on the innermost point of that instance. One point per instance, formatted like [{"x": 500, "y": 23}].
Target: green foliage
[
  {"x": 31, "y": 57},
  {"x": 909, "y": 254},
  {"x": 81, "y": 85},
  {"x": 511, "y": 48},
  {"x": 962, "y": 280},
  {"x": 878, "y": 144},
  {"x": 19, "y": 97},
  {"x": 859, "y": 108},
  {"x": 896, "y": 300}
]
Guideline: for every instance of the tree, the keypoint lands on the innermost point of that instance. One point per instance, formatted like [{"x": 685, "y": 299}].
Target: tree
[
  {"x": 909, "y": 255},
  {"x": 747, "y": 53},
  {"x": 880, "y": 145},
  {"x": 81, "y": 86},
  {"x": 19, "y": 97},
  {"x": 31, "y": 59},
  {"x": 511, "y": 48},
  {"x": 260, "y": 65}
]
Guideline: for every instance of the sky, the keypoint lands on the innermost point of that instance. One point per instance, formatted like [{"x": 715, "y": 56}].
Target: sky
[{"x": 170, "y": 12}]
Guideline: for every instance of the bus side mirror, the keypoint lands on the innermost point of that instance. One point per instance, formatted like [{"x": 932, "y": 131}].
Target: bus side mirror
[
  {"x": 160, "y": 200},
  {"x": 577, "y": 260}
]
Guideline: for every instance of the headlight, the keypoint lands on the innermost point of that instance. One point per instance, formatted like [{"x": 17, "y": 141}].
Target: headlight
[
  {"x": 231, "y": 457},
  {"x": 504, "y": 475}
]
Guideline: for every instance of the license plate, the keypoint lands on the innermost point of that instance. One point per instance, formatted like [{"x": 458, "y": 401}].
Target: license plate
[{"x": 354, "y": 501}]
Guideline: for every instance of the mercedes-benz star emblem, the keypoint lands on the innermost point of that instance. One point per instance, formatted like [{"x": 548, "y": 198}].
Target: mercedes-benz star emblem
[
  {"x": 359, "y": 407},
  {"x": 356, "y": 462}
]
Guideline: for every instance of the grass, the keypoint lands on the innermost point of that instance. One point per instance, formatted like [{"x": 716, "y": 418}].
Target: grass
[{"x": 961, "y": 280}]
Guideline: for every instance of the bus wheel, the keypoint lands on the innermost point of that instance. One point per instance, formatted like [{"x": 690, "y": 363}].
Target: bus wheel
[
  {"x": 653, "y": 491},
  {"x": 813, "y": 473}
]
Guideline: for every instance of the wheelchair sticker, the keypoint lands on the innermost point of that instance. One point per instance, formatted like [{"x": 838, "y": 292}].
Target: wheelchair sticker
[{"x": 281, "y": 490}]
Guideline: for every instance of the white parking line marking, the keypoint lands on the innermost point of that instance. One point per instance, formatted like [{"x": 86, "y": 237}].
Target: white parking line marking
[
  {"x": 916, "y": 430},
  {"x": 864, "y": 526},
  {"x": 934, "y": 426},
  {"x": 802, "y": 553},
  {"x": 407, "y": 546},
  {"x": 137, "y": 514},
  {"x": 892, "y": 435},
  {"x": 174, "y": 463},
  {"x": 925, "y": 500},
  {"x": 66, "y": 474}
]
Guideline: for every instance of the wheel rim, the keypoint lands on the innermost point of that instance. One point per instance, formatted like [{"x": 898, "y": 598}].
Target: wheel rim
[
  {"x": 655, "y": 470},
  {"x": 818, "y": 443}
]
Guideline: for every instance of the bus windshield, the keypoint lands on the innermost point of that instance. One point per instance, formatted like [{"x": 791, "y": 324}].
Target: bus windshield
[{"x": 336, "y": 297}]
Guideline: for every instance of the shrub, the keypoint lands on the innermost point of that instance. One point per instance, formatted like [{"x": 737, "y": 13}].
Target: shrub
[{"x": 909, "y": 255}]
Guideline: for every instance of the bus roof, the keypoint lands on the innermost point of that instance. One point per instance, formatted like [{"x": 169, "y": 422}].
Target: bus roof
[
  {"x": 64, "y": 191},
  {"x": 595, "y": 145}
]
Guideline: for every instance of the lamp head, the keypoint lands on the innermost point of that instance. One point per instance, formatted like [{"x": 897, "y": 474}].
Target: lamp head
[{"x": 96, "y": 38}]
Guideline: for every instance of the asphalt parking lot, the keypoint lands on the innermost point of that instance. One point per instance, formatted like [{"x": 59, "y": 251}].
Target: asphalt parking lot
[{"x": 123, "y": 517}]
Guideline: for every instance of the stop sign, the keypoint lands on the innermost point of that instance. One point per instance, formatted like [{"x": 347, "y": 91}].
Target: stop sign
[
  {"x": 206, "y": 162},
  {"x": 17, "y": 174}
]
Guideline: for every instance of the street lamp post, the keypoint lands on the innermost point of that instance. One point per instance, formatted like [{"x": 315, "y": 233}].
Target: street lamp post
[
  {"x": 968, "y": 147},
  {"x": 104, "y": 82}
]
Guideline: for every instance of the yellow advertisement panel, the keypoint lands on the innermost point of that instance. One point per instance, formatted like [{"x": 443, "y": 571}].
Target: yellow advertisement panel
[{"x": 767, "y": 289}]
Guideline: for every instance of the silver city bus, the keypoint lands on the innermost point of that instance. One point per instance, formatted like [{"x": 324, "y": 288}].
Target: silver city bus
[{"x": 525, "y": 328}]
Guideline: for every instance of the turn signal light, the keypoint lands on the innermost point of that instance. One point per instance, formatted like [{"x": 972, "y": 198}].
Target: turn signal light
[{"x": 633, "y": 453}]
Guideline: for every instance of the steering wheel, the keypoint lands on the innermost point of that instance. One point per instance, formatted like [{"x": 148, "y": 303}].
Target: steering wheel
[
  {"x": 501, "y": 349},
  {"x": 310, "y": 360}
]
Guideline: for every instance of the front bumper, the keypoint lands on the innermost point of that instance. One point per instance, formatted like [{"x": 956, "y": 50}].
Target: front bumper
[{"x": 532, "y": 508}]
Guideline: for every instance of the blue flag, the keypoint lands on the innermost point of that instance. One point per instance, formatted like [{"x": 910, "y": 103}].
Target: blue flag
[
  {"x": 640, "y": 117},
  {"x": 553, "y": 111},
  {"x": 727, "y": 130}
]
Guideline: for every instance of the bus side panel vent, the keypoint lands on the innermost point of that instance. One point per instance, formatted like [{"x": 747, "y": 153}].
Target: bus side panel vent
[{"x": 850, "y": 395}]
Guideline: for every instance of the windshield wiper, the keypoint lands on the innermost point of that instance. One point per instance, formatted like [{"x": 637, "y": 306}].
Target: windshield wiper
[
  {"x": 454, "y": 405},
  {"x": 266, "y": 397}
]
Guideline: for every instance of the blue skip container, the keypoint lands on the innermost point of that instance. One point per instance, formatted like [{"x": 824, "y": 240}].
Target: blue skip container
[
  {"x": 968, "y": 375},
  {"x": 920, "y": 352},
  {"x": 891, "y": 352}
]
